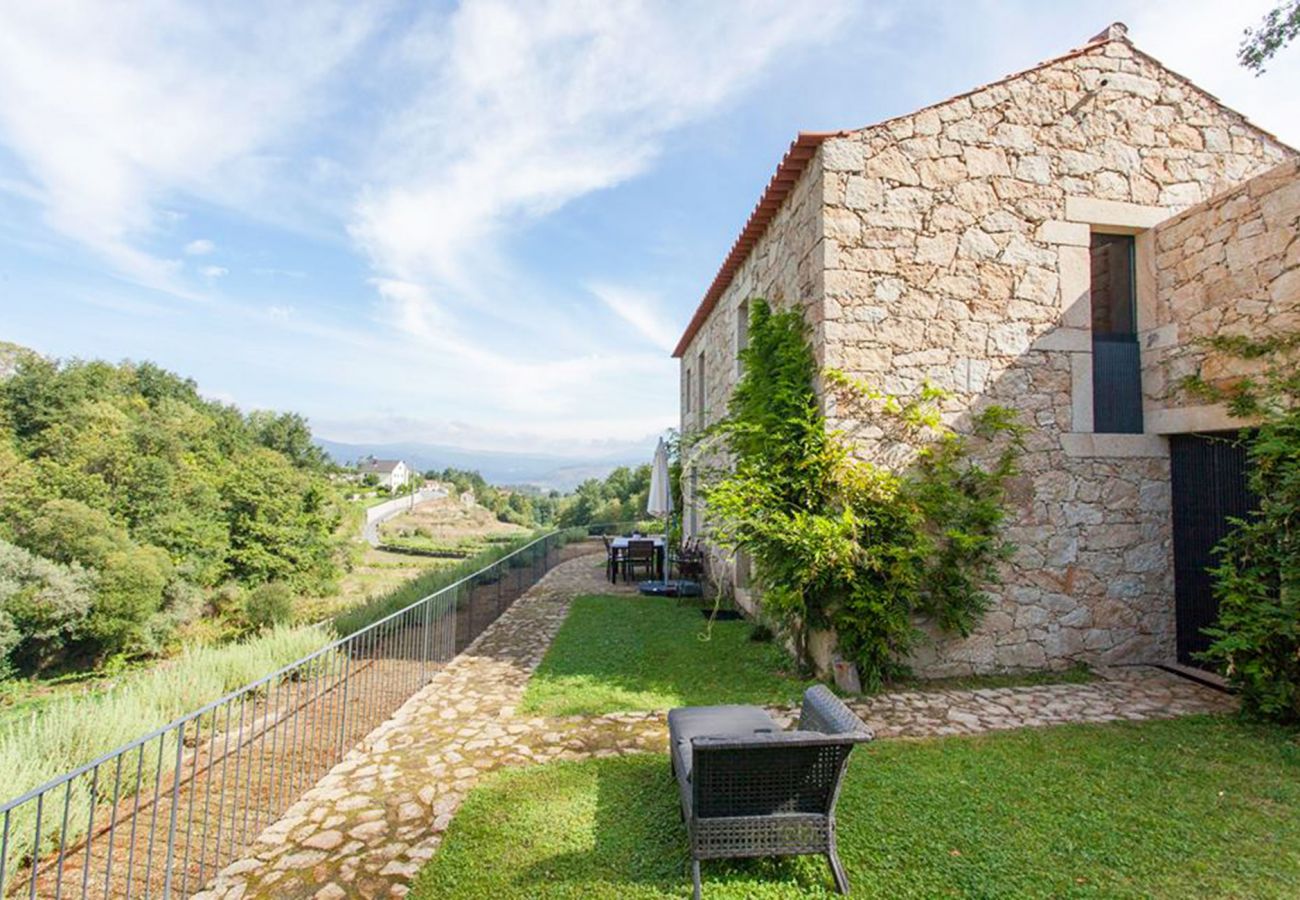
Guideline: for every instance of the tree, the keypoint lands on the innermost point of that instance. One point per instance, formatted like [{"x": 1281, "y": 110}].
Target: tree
[
  {"x": 69, "y": 531},
  {"x": 126, "y": 475},
  {"x": 289, "y": 434},
  {"x": 280, "y": 524},
  {"x": 128, "y": 594},
  {"x": 1277, "y": 29}
]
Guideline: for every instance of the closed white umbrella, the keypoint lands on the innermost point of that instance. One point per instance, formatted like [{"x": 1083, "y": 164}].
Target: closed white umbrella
[{"x": 660, "y": 500}]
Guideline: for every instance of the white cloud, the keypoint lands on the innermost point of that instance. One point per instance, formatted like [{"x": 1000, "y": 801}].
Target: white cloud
[
  {"x": 111, "y": 108},
  {"x": 515, "y": 111},
  {"x": 199, "y": 247},
  {"x": 524, "y": 107},
  {"x": 645, "y": 312},
  {"x": 212, "y": 272}
]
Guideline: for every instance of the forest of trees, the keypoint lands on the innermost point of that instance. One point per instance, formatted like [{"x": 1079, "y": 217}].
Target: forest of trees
[
  {"x": 620, "y": 497},
  {"x": 131, "y": 506}
]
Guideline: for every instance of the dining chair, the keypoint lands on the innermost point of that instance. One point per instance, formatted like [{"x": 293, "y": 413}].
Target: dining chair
[
  {"x": 638, "y": 554},
  {"x": 611, "y": 559}
]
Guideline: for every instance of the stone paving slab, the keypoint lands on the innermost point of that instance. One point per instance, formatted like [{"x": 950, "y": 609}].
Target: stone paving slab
[{"x": 376, "y": 818}]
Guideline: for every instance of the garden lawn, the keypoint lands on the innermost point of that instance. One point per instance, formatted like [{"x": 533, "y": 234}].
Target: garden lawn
[
  {"x": 647, "y": 653},
  {"x": 1202, "y": 807}
]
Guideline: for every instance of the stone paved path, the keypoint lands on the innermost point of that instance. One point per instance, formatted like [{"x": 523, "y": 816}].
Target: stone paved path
[{"x": 368, "y": 826}]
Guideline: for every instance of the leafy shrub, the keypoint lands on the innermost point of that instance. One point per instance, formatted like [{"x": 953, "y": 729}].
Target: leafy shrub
[
  {"x": 268, "y": 605},
  {"x": 128, "y": 593},
  {"x": 1257, "y": 581},
  {"x": 43, "y": 608},
  {"x": 844, "y": 543}
]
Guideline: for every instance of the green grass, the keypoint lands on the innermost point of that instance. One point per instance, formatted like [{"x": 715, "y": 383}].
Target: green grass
[
  {"x": 646, "y": 653},
  {"x": 1201, "y": 807}
]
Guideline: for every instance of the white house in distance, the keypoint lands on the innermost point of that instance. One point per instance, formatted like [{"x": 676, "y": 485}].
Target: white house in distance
[{"x": 392, "y": 473}]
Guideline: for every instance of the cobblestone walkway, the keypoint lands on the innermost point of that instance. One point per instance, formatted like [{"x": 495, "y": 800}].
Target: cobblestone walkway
[{"x": 370, "y": 824}]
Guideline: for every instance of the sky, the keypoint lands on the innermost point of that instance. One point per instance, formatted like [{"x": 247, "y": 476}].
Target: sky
[{"x": 481, "y": 224}]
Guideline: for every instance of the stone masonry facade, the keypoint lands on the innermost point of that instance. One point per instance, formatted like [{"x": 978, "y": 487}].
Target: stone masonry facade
[{"x": 951, "y": 246}]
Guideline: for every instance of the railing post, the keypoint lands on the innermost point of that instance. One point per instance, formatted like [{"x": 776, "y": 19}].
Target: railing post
[
  {"x": 343, "y": 717},
  {"x": 176, "y": 799}
]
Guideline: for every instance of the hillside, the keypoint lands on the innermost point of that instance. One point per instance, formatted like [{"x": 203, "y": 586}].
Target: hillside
[{"x": 131, "y": 507}]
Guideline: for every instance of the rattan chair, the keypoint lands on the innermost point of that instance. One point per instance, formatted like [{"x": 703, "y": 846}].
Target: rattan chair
[
  {"x": 747, "y": 788},
  {"x": 637, "y": 554}
]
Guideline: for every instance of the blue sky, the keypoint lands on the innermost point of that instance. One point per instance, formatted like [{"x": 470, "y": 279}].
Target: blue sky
[{"x": 481, "y": 224}]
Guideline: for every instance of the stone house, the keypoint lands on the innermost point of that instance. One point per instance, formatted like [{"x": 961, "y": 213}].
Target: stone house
[{"x": 1055, "y": 241}]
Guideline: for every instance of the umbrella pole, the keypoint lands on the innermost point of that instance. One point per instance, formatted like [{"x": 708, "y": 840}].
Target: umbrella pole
[{"x": 668, "y": 522}]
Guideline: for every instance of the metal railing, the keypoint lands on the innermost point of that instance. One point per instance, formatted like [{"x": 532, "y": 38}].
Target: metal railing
[{"x": 163, "y": 814}]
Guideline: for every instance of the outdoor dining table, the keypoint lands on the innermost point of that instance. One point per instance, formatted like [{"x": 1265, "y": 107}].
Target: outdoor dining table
[{"x": 619, "y": 544}]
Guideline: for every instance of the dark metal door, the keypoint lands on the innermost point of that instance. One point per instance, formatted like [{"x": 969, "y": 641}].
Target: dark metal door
[{"x": 1209, "y": 486}]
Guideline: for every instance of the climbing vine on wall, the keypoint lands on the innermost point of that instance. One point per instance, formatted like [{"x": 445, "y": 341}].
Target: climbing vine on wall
[{"x": 849, "y": 543}]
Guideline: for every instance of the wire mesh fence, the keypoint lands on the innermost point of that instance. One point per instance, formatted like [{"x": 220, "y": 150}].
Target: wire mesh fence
[{"x": 163, "y": 814}]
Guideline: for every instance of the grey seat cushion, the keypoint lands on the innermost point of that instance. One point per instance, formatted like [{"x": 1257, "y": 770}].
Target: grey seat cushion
[{"x": 713, "y": 721}]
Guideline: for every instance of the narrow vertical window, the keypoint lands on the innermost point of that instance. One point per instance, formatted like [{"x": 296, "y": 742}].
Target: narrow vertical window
[
  {"x": 686, "y": 394},
  {"x": 742, "y": 333},
  {"x": 1116, "y": 368},
  {"x": 699, "y": 388}
]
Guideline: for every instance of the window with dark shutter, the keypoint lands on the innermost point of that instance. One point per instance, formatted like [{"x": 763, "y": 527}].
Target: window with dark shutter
[{"x": 1116, "y": 367}]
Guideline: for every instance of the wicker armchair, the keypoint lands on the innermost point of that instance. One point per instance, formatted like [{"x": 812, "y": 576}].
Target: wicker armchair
[{"x": 747, "y": 788}]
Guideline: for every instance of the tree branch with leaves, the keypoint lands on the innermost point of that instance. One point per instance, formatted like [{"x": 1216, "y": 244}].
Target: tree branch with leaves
[{"x": 1277, "y": 29}]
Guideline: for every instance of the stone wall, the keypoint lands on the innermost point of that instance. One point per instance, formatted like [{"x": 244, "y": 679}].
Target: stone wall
[
  {"x": 785, "y": 267},
  {"x": 1229, "y": 266},
  {"x": 955, "y": 250}
]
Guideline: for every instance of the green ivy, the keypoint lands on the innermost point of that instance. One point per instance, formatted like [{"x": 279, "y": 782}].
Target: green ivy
[
  {"x": 847, "y": 543},
  {"x": 1257, "y": 580}
]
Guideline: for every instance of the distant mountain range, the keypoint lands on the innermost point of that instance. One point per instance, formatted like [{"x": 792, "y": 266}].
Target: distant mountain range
[{"x": 498, "y": 467}]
